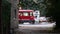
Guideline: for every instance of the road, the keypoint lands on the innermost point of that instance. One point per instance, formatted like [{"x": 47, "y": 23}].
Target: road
[
  {"x": 41, "y": 26},
  {"x": 26, "y": 31},
  {"x": 33, "y": 30}
]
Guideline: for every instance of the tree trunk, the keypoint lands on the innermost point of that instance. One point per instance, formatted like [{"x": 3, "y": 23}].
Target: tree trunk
[{"x": 14, "y": 15}]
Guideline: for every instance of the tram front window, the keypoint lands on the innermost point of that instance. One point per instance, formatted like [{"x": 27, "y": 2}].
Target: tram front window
[{"x": 25, "y": 14}]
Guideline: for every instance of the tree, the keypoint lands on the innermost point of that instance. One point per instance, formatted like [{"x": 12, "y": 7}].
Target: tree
[
  {"x": 51, "y": 8},
  {"x": 34, "y": 5}
]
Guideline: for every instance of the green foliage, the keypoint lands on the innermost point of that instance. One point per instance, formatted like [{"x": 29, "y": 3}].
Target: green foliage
[
  {"x": 41, "y": 5},
  {"x": 46, "y": 7},
  {"x": 29, "y": 5},
  {"x": 51, "y": 8}
]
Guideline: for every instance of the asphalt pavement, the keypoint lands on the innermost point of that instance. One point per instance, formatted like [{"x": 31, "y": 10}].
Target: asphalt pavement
[{"x": 23, "y": 30}]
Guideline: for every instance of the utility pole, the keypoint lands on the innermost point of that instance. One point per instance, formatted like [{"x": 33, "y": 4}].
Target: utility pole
[{"x": 14, "y": 16}]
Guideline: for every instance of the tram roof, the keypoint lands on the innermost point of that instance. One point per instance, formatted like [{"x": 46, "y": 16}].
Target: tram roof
[{"x": 26, "y": 10}]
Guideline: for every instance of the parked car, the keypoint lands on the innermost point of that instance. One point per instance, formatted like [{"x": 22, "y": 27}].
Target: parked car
[{"x": 43, "y": 19}]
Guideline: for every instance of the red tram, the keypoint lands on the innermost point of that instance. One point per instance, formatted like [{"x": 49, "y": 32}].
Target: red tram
[{"x": 26, "y": 16}]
